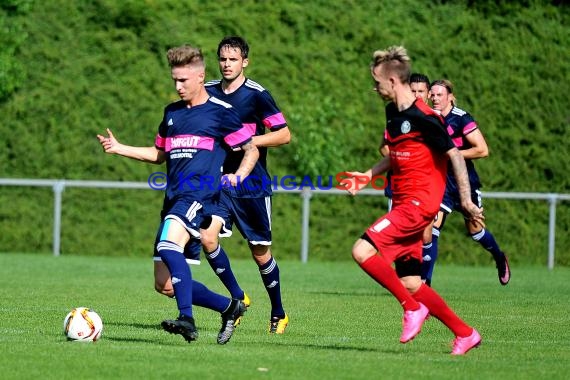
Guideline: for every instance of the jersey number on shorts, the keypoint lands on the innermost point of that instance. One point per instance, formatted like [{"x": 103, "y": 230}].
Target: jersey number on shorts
[{"x": 381, "y": 225}]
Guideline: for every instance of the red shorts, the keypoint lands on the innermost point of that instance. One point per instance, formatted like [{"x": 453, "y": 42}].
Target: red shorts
[{"x": 399, "y": 233}]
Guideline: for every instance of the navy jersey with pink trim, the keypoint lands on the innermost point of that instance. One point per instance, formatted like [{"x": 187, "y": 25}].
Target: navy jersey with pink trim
[
  {"x": 459, "y": 124},
  {"x": 418, "y": 142},
  {"x": 196, "y": 141},
  {"x": 258, "y": 112}
]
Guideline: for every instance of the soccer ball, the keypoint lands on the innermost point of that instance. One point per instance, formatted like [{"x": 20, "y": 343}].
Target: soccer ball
[{"x": 82, "y": 324}]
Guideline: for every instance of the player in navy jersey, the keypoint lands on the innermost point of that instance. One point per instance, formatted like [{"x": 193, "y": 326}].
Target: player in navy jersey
[
  {"x": 420, "y": 150},
  {"x": 193, "y": 138},
  {"x": 248, "y": 205},
  {"x": 468, "y": 138}
]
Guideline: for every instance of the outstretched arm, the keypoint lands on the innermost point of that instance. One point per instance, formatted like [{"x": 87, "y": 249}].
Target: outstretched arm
[
  {"x": 357, "y": 180},
  {"x": 146, "y": 154}
]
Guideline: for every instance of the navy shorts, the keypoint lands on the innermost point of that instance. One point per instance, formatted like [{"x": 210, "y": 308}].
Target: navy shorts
[
  {"x": 252, "y": 217},
  {"x": 190, "y": 213},
  {"x": 451, "y": 200}
]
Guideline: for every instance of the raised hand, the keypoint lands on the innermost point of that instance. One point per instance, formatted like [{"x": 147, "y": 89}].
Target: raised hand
[
  {"x": 353, "y": 182},
  {"x": 109, "y": 143}
]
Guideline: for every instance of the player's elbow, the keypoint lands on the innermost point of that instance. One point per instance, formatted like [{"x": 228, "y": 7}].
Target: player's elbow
[
  {"x": 160, "y": 157},
  {"x": 286, "y": 138},
  {"x": 483, "y": 152}
]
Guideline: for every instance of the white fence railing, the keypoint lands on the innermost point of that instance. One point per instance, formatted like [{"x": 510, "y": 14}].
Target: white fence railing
[{"x": 59, "y": 185}]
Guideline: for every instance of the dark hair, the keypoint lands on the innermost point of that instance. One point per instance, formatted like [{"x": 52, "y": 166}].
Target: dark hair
[
  {"x": 419, "y": 78},
  {"x": 236, "y": 42}
]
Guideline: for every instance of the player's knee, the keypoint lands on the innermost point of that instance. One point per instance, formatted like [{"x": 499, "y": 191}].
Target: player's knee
[
  {"x": 476, "y": 235},
  {"x": 440, "y": 220},
  {"x": 209, "y": 241},
  {"x": 411, "y": 283},
  {"x": 362, "y": 250},
  {"x": 162, "y": 282},
  {"x": 209, "y": 231},
  {"x": 358, "y": 255},
  {"x": 260, "y": 253},
  {"x": 427, "y": 236},
  {"x": 435, "y": 231}
]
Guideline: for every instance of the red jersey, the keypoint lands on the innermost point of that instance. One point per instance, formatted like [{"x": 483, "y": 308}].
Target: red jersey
[{"x": 418, "y": 141}]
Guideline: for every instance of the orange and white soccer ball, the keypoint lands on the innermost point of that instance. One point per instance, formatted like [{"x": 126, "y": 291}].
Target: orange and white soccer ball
[{"x": 82, "y": 324}]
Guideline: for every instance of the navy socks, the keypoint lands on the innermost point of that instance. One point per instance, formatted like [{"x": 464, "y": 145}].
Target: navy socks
[
  {"x": 487, "y": 240},
  {"x": 270, "y": 277},
  {"x": 220, "y": 263},
  {"x": 173, "y": 256}
]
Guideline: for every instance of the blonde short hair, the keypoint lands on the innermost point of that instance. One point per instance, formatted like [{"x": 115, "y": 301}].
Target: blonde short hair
[
  {"x": 395, "y": 60},
  {"x": 185, "y": 55}
]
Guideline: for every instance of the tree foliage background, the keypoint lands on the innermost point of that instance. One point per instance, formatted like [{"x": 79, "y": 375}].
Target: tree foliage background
[{"x": 70, "y": 69}]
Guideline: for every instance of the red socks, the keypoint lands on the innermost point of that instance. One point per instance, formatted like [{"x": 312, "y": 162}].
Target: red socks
[
  {"x": 384, "y": 274},
  {"x": 439, "y": 309}
]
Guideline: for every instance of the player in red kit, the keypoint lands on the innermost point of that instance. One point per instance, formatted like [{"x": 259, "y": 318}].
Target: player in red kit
[{"x": 420, "y": 150}]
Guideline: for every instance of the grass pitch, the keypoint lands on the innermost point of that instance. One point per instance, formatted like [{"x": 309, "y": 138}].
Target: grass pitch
[{"x": 343, "y": 325}]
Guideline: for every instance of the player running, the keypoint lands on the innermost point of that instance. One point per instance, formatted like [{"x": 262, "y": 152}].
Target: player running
[
  {"x": 248, "y": 204},
  {"x": 469, "y": 139},
  {"x": 419, "y": 152}
]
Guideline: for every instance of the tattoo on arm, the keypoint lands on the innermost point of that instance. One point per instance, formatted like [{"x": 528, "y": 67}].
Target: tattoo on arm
[
  {"x": 251, "y": 154},
  {"x": 460, "y": 172}
]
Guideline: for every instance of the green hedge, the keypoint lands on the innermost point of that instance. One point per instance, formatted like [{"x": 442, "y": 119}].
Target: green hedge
[{"x": 71, "y": 69}]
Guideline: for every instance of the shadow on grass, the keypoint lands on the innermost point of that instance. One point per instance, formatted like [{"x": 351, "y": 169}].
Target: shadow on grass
[
  {"x": 287, "y": 345},
  {"x": 147, "y": 326},
  {"x": 131, "y": 340},
  {"x": 327, "y": 347},
  {"x": 350, "y": 294}
]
